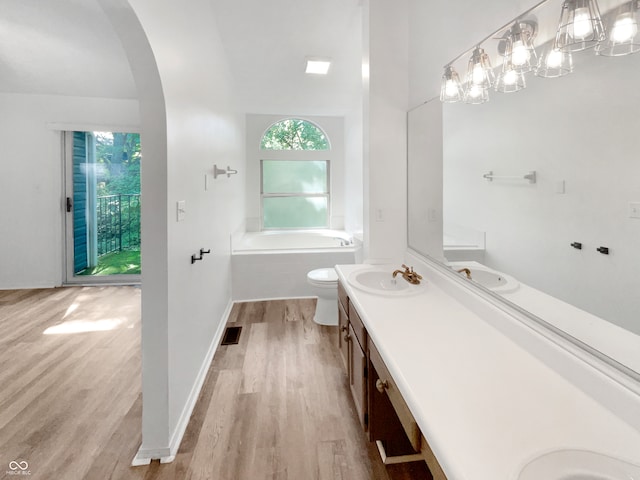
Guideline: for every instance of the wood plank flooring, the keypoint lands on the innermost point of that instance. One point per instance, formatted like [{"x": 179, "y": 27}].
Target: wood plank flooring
[
  {"x": 69, "y": 374},
  {"x": 274, "y": 406}
]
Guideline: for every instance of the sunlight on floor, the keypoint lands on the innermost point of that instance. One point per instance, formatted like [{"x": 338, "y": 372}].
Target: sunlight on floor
[
  {"x": 83, "y": 326},
  {"x": 72, "y": 308}
]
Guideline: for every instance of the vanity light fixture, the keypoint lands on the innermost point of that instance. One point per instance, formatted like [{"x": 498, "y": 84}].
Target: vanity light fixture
[
  {"x": 480, "y": 77},
  {"x": 517, "y": 46},
  {"x": 451, "y": 88},
  {"x": 510, "y": 79},
  {"x": 623, "y": 32},
  {"x": 580, "y": 26},
  {"x": 475, "y": 94},
  {"x": 554, "y": 62}
]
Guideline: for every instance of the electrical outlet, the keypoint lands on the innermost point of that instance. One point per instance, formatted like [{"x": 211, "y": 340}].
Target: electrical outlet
[{"x": 634, "y": 210}]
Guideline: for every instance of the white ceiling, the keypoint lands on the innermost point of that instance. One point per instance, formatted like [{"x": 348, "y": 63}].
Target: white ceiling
[
  {"x": 68, "y": 47},
  {"x": 267, "y": 42},
  {"x": 61, "y": 47}
]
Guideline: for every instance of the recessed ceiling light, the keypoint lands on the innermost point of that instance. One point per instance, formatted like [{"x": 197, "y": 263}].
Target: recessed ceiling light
[{"x": 317, "y": 66}]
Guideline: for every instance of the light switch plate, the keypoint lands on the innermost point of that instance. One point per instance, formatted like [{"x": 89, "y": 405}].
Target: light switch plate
[{"x": 181, "y": 210}]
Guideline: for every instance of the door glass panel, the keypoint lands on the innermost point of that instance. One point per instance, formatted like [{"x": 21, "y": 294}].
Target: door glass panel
[{"x": 106, "y": 203}]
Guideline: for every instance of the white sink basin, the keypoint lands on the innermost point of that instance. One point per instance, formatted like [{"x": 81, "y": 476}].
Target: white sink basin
[
  {"x": 578, "y": 465},
  {"x": 494, "y": 281},
  {"x": 381, "y": 282}
]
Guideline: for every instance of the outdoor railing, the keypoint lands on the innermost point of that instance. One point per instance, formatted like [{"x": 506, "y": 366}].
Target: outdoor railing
[{"x": 118, "y": 222}]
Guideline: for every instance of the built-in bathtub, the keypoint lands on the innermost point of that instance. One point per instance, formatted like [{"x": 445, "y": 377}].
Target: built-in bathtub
[{"x": 275, "y": 264}]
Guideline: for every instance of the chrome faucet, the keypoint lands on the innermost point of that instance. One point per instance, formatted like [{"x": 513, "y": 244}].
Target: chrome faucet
[
  {"x": 466, "y": 271},
  {"x": 409, "y": 275}
]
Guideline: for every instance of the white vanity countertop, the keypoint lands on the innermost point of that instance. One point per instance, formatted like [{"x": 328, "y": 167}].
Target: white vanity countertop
[{"x": 486, "y": 406}]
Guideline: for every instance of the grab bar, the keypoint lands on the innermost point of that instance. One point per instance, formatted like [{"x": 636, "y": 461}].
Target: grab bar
[{"x": 531, "y": 176}]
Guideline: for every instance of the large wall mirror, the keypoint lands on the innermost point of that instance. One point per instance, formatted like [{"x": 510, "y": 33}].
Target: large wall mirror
[{"x": 566, "y": 241}]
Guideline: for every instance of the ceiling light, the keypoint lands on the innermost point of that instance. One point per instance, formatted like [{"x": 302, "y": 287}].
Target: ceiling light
[
  {"x": 623, "y": 32},
  {"x": 317, "y": 66},
  {"x": 580, "y": 26}
]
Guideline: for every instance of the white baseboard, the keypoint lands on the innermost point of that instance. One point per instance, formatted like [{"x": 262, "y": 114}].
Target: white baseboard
[
  {"x": 144, "y": 457},
  {"x": 192, "y": 399},
  {"x": 291, "y": 297}
]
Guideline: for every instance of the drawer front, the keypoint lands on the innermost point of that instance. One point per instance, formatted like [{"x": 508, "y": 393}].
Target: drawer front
[
  {"x": 358, "y": 327},
  {"x": 409, "y": 424},
  {"x": 342, "y": 297}
]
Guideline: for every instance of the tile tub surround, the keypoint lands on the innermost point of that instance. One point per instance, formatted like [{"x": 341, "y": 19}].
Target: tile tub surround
[{"x": 486, "y": 405}]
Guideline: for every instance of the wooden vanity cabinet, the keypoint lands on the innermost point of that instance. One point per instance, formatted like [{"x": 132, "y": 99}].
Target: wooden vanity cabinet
[
  {"x": 358, "y": 365},
  {"x": 343, "y": 325},
  {"x": 379, "y": 405},
  {"x": 352, "y": 343},
  {"x": 391, "y": 423}
]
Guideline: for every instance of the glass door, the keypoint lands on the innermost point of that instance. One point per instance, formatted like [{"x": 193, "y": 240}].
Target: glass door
[{"x": 102, "y": 204}]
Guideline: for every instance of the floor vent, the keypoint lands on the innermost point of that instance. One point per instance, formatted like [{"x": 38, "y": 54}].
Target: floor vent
[{"x": 231, "y": 336}]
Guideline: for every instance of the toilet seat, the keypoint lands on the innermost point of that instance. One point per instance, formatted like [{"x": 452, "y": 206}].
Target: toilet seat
[{"x": 323, "y": 277}]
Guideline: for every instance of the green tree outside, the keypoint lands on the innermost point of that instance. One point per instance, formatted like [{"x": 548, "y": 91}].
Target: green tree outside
[
  {"x": 119, "y": 156},
  {"x": 294, "y": 134}
]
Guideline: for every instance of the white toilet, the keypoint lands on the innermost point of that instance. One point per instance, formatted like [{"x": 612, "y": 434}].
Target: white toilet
[{"x": 325, "y": 283}]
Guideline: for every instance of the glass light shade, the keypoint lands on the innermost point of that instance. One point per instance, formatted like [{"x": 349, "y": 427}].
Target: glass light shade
[
  {"x": 519, "y": 49},
  {"x": 510, "y": 79},
  {"x": 451, "y": 88},
  {"x": 476, "y": 94},
  {"x": 479, "y": 71},
  {"x": 554, "y": 62},
  {"x": 623, "y": 38},
  {"x": 580, "y": 26}
]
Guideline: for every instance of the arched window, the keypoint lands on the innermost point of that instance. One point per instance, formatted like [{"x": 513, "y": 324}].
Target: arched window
[
  {"x": 294, "y": 188},
  {"x": 294, "y": 134}
]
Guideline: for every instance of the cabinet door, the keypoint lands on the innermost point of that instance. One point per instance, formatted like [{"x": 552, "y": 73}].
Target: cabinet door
[
  {"x": 343, "y": 332},
  {"x": 357, "y": 377}
]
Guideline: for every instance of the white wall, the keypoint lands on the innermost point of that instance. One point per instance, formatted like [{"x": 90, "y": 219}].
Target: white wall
[
  {"x": 385, "y": 47},
  {"x": 353, "y": 173},
  {"x": 182, "y": 71},
  {"x": 581, "y": 130},
  {"x": 334, "y": 127},
  {"x": 31, "y": 195}
]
